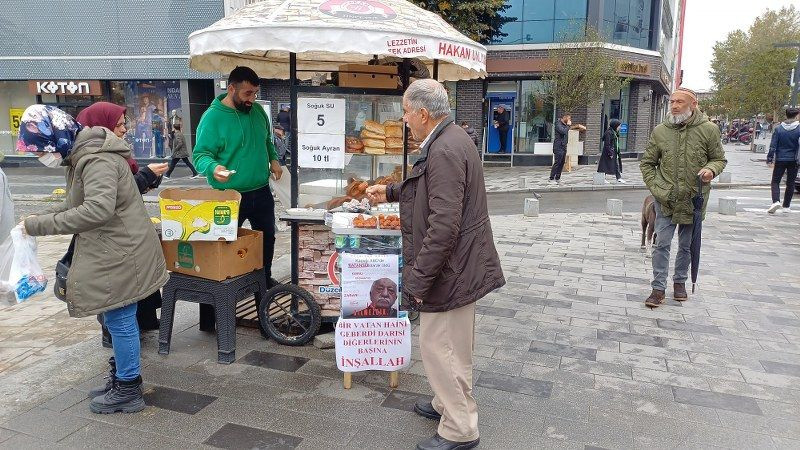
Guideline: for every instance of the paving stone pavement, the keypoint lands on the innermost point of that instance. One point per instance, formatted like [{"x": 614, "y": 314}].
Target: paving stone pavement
[
  {"x": 746, "y": 169},
  {"x": 566, "y": 356}
]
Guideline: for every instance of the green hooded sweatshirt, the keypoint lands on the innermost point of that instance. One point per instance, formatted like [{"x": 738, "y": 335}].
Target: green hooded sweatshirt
[
  {"x": 239, "y": 141},
  {"x": 674, "y": 156}
]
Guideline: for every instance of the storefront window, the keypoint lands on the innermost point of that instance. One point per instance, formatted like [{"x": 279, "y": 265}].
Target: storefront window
[
  {"x": 150, "y": 105},
  {"x": 617, "y": 106},
  {"x": 537, "y": 113}
]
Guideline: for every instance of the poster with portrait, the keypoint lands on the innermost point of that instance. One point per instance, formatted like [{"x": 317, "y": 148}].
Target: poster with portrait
[
  {"x": 369, "y": 285},
  {"x": 149, "y": 104}
]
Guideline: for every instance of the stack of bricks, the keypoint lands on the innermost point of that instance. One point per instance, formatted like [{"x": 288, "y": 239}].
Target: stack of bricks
[{"x": 317, "y": 246}]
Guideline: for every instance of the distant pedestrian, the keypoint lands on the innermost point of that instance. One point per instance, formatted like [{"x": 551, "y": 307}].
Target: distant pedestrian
[
  {"x": 783, "y": 157},
  {"x": 450, "y": 261},
  {"x": 281, "y": 143},
  {"x": 501, "y": 119},
  {"x": 118, "y": 259},
  {"x": 686, "y": 145},
  {"x": 610, "y": 159},
  {"x": 471, "y": 133},
  {"x": 180, "y": 153},
  {"x": 562, "y": 127}
]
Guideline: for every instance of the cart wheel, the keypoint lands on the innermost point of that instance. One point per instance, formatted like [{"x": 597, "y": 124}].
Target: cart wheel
[{"x": 290, "y": 315}]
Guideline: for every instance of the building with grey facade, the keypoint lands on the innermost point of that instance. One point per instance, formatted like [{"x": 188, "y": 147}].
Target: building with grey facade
[{"x": 133, "y": 53}]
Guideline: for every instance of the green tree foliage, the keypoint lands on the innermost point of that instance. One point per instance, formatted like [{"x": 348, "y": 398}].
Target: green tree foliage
[
  {"x": 480, "y": 20},
  {"x": 751, "y": 76},
  {"x": 581, "y": 71}
]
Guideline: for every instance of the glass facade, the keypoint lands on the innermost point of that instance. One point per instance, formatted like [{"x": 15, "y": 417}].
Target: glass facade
[
  {"x": 628, "y": 22},
  {"x": 623, "y": 22},
  {"x": 543, "y": 21}
]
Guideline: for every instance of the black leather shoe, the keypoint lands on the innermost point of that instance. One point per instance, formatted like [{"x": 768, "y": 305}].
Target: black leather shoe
[
  {"x": 439, "y": 443},
  {"x": 425, "y": 409}
]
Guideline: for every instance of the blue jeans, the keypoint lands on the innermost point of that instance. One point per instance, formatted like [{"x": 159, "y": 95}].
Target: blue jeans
[
  {"x": 124, "y": 329},
  {"x": 665, "y": 230}
]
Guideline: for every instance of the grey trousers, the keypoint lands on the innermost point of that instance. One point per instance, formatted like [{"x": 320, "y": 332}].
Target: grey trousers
[{"x": 665, "y": 231}]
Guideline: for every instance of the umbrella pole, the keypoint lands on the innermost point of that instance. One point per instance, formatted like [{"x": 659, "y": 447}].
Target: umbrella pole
[
  {"x": 436, "y": 69},
  {"x": 405, "y": 69},
  {"x": 293, "y": 169}
]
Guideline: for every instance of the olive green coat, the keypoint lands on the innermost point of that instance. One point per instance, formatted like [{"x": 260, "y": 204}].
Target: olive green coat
[
  {"x": 118, "y": 258},
  {"x": 674, "y": 156}
]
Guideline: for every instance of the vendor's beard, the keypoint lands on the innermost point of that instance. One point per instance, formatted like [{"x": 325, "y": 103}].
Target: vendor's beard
[{"x": 680, "y": 118}]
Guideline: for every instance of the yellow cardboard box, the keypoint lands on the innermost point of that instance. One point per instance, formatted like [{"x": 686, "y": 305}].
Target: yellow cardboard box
[
  {"x": 216, "y": 260},
  {"x": 199, "y": 214}
]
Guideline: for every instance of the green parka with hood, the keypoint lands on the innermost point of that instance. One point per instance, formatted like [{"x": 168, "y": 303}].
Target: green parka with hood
[{"x": 674, "y": 156}]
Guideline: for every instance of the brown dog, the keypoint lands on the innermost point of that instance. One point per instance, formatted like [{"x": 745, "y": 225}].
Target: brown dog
[{"x": 648, "y": 220}]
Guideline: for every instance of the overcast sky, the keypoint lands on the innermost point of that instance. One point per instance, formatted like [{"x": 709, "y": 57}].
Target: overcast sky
[{"x": 709, "y": 21}]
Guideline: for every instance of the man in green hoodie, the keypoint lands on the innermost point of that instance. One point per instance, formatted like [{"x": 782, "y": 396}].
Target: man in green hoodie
[
  {"x": 234, "y": 150},
  {"x": 681, "y": 149}
]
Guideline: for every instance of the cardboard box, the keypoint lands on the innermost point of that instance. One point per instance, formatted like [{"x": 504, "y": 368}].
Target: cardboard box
[
  {"x": 364, "y": 76},
  {"x": 216, "y": 260},
  {"x": 199, "y": 214}
]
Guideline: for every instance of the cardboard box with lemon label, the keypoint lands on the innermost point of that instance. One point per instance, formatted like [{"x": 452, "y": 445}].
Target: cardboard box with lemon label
[{"x": 199, "y": 214}]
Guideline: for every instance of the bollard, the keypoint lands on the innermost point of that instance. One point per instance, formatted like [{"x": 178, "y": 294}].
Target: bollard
[
  {"x": 531, "y": 207},
  {"x": 727, "y": 206},
  {"x": 598, "y": 178},
  {"x": 523, "y": 182},
  {"x": 614, "y": 207},
  {"x": 725, "y": 177}
]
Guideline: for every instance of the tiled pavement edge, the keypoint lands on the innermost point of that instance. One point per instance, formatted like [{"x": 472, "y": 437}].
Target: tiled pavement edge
[
  {"x": 567, "y": 356},
  {"x": 746, "y": 169}
]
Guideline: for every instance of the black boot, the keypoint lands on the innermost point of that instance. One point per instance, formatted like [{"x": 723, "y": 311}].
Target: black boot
[
  {"x": 124, "y": 396},
  {"x": 110, "y": 378},
  {"x": 107, "y": 338}
]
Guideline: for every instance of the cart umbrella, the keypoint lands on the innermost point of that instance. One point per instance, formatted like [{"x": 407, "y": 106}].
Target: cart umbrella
[
  {"x": 325, "y": 34},
  {"x": 697, "y": 230}
]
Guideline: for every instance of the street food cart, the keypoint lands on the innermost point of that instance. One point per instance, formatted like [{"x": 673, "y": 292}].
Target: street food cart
[{"x": 348, "y": 63}]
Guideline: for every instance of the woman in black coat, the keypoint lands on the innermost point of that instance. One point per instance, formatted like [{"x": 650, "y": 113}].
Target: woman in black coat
[{"x": 610, "y": 159}]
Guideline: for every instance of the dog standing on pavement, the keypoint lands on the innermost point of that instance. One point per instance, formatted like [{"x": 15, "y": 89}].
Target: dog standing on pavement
[{"x": 648, "y": 221}]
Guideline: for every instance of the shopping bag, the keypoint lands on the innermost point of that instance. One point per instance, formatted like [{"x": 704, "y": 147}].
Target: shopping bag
[{"x": 25, "y": 276}]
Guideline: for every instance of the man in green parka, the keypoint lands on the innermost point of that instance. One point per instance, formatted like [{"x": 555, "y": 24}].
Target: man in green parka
[{"x": 685, "y": 146}]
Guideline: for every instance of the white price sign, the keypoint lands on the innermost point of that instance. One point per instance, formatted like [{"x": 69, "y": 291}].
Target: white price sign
[
  {"x": 320, "y": 151},
  {"x": 320, "y": 115}
]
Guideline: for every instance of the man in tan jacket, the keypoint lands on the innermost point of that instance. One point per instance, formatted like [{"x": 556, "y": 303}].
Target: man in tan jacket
[{"x": 450, "y": 261}]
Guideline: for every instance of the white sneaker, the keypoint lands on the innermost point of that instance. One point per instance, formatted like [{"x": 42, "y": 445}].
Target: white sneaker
[
  {"x": 774, "y": 207},
  {"x": 606, "y": 181},
  {"x": 197, "y": 176},
  {"x": 621, "y": 181},
  {"x": 553, "y": 182}
]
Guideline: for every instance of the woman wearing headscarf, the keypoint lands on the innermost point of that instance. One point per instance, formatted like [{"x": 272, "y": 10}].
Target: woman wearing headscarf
[
  {"x": 610, "y": 160},
  {"x": 112, "y": 117},
  {"x": 117, "y": 259}
]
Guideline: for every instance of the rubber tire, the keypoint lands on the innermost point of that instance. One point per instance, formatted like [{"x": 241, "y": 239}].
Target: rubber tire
[{"x": 266, "y": 325}]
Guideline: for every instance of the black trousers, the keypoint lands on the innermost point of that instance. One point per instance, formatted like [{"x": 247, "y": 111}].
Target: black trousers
[
  {"x": 558, "y": 165},
  {"x": 503, "y": 135},
  {"x": 174, "y": 162},
  {"x": 618, "y": 166},
  {"x": 790, "y": 168},
  {"x": 259, "y": 208}
]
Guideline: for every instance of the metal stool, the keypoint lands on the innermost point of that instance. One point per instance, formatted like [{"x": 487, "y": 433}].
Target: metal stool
[{"x": 217, "y": 298}]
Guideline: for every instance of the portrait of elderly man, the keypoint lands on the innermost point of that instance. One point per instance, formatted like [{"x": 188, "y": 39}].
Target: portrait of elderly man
[{"x": 382, "y": 299}]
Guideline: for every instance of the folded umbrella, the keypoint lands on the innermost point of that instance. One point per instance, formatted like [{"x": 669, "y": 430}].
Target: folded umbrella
[{"x": 697, "y": 230}]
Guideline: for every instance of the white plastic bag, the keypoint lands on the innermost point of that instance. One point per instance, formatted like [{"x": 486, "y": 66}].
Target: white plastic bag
[{"x": 25, "y": 277}]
